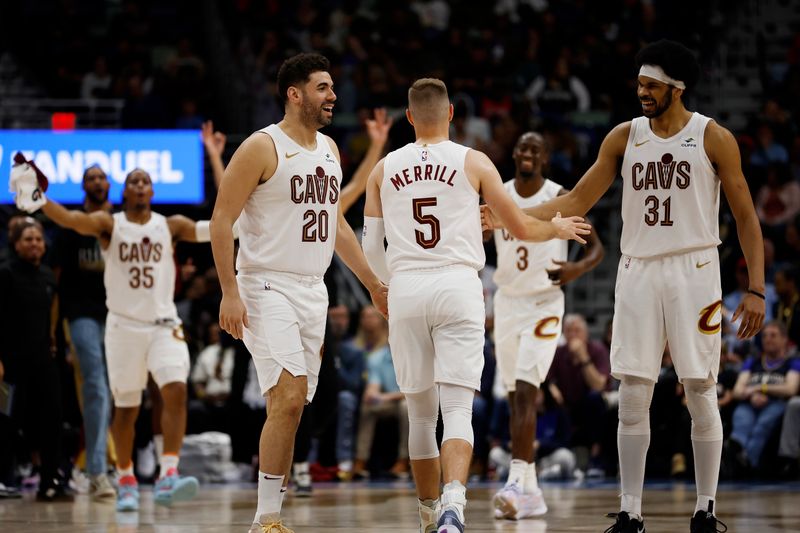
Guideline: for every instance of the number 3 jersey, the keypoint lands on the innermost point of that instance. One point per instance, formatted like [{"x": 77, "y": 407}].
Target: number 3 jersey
[
  {"x": 140, "y": 270},
  {"x": 430, "y": 209},
  {"x": 521, "y": 266},
  {"x": 670, "y": 195},
  {"x": 289, "y": 222}
]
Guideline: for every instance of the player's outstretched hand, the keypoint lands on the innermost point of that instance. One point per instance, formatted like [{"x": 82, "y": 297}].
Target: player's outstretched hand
[
  {"x": 378, "y": 127},
  {"x": 751, "y": 310},
  {"x": 571, "y": 228},
  {"x": 380, "y": 299},
  {"x": 214, "y": 141},
  {"x": 489, "y": 220},
  {"x": 233, "y": 316}
]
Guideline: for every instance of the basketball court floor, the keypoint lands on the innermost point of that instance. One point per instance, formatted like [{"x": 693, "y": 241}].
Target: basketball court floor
[{"x": 362, "y": 508}]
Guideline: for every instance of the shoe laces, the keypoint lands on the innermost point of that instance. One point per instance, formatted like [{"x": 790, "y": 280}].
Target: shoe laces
[
  {"x": 617, "y": 526},
  {"x": 275, "y": 526},
  {"x": 713, "y": 521}
]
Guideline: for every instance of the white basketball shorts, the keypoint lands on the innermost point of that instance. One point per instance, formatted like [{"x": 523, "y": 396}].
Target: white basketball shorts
[
  {"x": 436, "y": 328},
  {"x": 286, "y": 315},
  {"x": 134, "y": 348},
  {"x": 673, "y": 298},
  {"x": 526, "y": 333}
]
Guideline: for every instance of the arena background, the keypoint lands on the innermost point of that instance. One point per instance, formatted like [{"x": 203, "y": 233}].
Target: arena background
[{"x": 563, "y": 68}]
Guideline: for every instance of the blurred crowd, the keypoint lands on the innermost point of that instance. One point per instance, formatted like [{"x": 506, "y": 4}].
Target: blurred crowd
[{"x": 564, "y": 68}]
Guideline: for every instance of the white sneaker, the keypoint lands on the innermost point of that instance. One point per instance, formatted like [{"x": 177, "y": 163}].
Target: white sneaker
[
  {"x": 531, "y": 505},
  {"x": 101, "y": 489},
  {"x": 428, "y": 518},
  {"x": 507, "y": 502}
]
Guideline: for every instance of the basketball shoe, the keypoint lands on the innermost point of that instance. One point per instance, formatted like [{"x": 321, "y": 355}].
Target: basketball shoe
[
  {"x": 706, "y": 522},
  {"x": 128, "y": 494},
  {"x": 625, "y": 524},
  {"x": 269, "y": 523},
  {"x": 174, "y": 488},
  {"x": 511, "y": 503}
]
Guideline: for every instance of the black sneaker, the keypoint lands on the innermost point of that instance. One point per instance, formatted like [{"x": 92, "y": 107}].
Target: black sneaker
[
  {"x": 706, "y": 522},
  {"x": 625, "y": 524},
  {"x": 54, "y": 493}
]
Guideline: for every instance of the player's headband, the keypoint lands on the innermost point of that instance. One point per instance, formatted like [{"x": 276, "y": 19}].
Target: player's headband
[{"x": 657, "y": 73}]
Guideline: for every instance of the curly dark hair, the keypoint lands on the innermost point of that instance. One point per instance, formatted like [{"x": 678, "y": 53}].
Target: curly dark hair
[
  {"x": 675, "y": 60},
  {"x": 298, "y": 69}
]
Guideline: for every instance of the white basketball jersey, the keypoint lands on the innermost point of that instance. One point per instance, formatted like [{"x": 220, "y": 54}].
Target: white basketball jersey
[
  {"x": 289, "y": 222},
  {"x": 430, "y": 209},
  {"x": 140, "y": 270},
  {"x": 670, "y": 195},
  {"x": 521, "y": 266}
]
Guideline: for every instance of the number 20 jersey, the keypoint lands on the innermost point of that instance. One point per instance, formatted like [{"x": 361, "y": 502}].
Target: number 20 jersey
[
  {"x": 289, "y": 222},
  {"x": 670, "y": 195},
  {"x": 140, "y": 270},
  {"x": 430, "y": 209},
  {"x": 522, "y": 266}
]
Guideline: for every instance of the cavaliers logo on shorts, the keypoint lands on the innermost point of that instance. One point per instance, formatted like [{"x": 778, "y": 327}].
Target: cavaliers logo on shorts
[
  {"x": 540, "y": 330},
  {"x": 704, "y": 324},
  {"x": 178, "y": 333}
]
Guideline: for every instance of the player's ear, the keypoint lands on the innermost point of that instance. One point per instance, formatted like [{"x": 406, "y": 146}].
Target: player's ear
[
  {"x": 409, "y": 117},
  {"x": 450, "y": 114}
]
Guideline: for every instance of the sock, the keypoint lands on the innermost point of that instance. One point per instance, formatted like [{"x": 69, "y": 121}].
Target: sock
[
  {"x": 168, "y": 462},
  {"x": 454, "y": 497},
  {"x": 158, "y": 440},
  {"x": 632, "y": 455},
  {"x": 531, "y": 484},
  {"x": 300, "y": 468},
  {"x": 516, "y": 472},
  {"x": 707, "y": 456},
  {"x": 281, "y": 497},
  {"x": 270, "y": 490},
  {"x": 127, "y": 471}
]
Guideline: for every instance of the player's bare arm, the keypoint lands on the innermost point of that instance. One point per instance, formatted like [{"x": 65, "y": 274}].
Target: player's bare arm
[
  {"x": 591, "y": 187},
  {"x": 378, "y": 131},
  {"x": 479, "y": 168},
  {"x": 724, "y": 154},
  {"x": 253, "y": 162},
  {"x": 566, "y": 271},
  {"x": 349, "y": 250},
  {"x": 185, "y": 229},
  {"x": 97, "y": 224}
]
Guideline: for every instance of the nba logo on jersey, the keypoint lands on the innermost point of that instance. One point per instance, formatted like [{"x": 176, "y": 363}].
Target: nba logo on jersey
[
  {"x": 627, "y": 262},
  {"x": 267, "y": 286},
  {"x": 424, "y": 155}
]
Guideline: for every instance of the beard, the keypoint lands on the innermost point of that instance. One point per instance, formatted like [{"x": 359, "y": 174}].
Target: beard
[
  {"x": 661, "y": 107},
  {"x": 97, "y": 198},
  {"x": 315, "y": 116}
]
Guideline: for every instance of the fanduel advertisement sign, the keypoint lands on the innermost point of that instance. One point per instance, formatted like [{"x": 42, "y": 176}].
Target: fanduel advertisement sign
[{"x": 173, "y": 158}]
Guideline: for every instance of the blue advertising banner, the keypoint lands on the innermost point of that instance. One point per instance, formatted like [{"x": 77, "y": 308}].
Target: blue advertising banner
[{"x": 173, "y": 158}]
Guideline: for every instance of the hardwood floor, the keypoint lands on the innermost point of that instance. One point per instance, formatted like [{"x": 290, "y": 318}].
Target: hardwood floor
[{"x": 361, "y": 508}]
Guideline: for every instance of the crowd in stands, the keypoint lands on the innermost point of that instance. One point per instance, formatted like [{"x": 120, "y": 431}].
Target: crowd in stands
[{"x": 552, "y": 66}]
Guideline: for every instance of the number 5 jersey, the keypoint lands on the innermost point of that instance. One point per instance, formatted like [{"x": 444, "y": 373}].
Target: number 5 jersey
[
  {"x": 140, "y": 270},
  {"x": 430, "y": 209}
]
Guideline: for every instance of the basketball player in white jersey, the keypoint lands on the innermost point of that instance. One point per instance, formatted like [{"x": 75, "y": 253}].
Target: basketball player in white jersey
[
  {"x": 285, "y": 182},
  {"x": 426, "y": 194},
  {"x": 143, "y": 332},
  {"x": 673, "y": 162},
  {"x": 528, "y": 309}
]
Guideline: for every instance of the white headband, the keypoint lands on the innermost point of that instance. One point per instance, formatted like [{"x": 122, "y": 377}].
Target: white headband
[{"x": 657, "y": 73}]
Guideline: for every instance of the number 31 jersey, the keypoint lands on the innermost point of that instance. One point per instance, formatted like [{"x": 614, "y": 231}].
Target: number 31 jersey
[
  {"x": 521, "y": 266},
  {"x": 289, "y": 222},
  {"x": 670, "y": 194},
  {"x": 140, "y": 270},
  {"x": 430, "y": 209}
]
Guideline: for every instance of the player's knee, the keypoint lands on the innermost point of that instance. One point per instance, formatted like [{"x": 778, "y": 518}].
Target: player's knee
[
  {"x": 289, "y": 403},
  {"x": 701, "y": 399},
  {"x": 423, "y": 415},
  {"x": 635, "y": 395},
  {"x": 456, "y": 402}
]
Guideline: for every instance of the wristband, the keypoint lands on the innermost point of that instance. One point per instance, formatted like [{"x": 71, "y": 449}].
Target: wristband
[
  {"x": 763, "y": 388},
  {"x": 756, "y": 293}
]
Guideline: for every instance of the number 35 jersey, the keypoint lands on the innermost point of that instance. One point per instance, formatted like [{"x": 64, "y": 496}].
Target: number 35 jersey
[
  {"x": 430, "y": 209},
  {"x": 670, "y": 195},
  {"x": 140, "y": 270},
  {"x": 289, "y": 222},
  {"x": 521, "y": 266}
]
